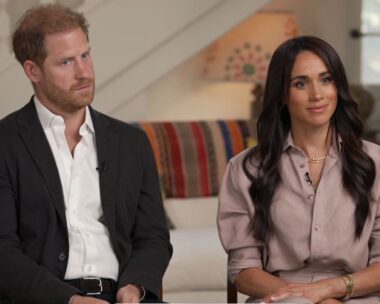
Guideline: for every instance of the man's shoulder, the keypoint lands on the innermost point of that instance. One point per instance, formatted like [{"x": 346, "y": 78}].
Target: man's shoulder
[
  {"x": 118, "y": 126},
  {"x": 8, "y": 124}
]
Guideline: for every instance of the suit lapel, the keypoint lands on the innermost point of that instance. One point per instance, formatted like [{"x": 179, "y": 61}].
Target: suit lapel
[
  {"x": 107, "y": 146},
  {"x": 37, "y": 144}
]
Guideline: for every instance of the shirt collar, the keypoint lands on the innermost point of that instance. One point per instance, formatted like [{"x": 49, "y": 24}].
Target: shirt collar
[
  {"x": 334, "y": 149},
  {"x": 88, "y": 121},
  {"x": 46, "y": 117},
  {"x": 288, "y": 142}
]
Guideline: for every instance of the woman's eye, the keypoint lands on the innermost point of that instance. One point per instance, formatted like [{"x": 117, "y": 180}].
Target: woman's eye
[
  {"x": 300, "y": 84},
  {"x": 327, "y": 79}
]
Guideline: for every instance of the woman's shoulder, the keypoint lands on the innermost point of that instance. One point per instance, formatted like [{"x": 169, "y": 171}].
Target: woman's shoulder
[
  {"x": 243, "y": 162},
  {"x": 245, "y": 157},
  {"x": 372, "y": 149},
  {"x": 239, "y": 158}
]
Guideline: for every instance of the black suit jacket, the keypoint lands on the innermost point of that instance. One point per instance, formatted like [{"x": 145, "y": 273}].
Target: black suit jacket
[{"x": 33, "y": 232}]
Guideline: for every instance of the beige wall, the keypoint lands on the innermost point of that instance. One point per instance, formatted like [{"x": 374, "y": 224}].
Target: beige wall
[
  {"x": 180, "y": 94},
  {"x": 183, "y": 95},
  {"x": 134, "y": 43}
]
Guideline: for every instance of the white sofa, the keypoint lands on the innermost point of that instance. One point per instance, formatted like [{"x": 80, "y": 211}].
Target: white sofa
[
  {"x": 198, "y": 269},
  {"x": 191, "y": 158}
]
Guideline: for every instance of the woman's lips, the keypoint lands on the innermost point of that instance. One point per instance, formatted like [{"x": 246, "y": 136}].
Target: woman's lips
[{"x": 317, "y": 109}]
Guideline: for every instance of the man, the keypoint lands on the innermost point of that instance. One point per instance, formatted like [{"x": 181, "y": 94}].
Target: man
[{"x": 81, "y": 215}]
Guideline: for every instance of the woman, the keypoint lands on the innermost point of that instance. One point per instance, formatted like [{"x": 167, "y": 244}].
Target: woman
[{"x": 299, "y": 214}]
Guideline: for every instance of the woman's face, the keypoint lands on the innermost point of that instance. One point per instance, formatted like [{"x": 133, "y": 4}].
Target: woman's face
[{"x": 312, "y": 95}]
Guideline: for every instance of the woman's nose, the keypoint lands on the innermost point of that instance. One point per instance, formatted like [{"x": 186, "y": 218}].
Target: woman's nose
[{"x": 315, "y": 92}]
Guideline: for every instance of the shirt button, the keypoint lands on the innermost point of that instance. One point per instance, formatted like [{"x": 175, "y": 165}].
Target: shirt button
[
  {"x": 317, "y": 227},
  {"x": 310, "y": 196},
  {"x": 302, "y": 166},
  {"x": 61, "y": 257},
  {"x": 89, "y": 268}
]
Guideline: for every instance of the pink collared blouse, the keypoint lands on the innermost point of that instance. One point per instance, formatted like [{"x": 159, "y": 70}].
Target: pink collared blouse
[{"x": 313, "y": 231}]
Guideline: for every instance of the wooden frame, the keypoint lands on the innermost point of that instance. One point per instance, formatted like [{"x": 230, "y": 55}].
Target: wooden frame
[{"x": 232, "y": 293}]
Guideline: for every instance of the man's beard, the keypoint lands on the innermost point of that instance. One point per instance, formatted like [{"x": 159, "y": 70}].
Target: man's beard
[{"x": 69, "y": 101}]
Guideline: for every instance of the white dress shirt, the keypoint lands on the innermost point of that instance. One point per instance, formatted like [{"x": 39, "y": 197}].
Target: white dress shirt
[{"x": 90, "y": 250}]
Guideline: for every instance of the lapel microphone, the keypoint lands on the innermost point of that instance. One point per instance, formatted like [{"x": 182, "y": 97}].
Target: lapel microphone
[
  {"x": 308, "y": 179},
  {"x": 101, "y": 167}
]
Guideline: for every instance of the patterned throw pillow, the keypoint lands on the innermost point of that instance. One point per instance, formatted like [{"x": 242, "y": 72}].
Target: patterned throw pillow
[{"x": 191, "y": 156}]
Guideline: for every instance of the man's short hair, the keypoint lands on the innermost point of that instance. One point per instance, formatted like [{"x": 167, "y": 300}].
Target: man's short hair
[{"x": 28, "y": 40}]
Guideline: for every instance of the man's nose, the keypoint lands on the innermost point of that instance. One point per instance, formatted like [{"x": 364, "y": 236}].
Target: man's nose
[{"x": 82, "y": 70}]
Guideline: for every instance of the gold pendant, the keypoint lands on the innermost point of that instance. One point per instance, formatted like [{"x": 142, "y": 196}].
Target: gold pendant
[{"x": 317, "y": 159}]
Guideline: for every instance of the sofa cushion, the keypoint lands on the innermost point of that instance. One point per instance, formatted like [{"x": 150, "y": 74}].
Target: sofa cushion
[
  {"x": 198, "y": 262},
  {"x": 200, "y": 296},
  {"x": 196, "y": 212}
]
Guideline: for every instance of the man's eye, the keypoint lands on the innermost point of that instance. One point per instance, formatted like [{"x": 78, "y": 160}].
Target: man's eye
[
  {"x": 86, "y": 55},
  {"x": 66, "y": 62}
]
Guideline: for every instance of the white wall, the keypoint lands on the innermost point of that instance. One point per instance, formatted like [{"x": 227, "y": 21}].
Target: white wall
[
  {"x": 326, "y": 19},
  {"x": 180, "y": 94},
  {"x": 183, "y": 95},
  {"x": 134, "y": 43}
]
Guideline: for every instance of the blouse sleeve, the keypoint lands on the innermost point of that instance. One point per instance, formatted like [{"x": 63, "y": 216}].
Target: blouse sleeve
[
  {"x": 234, "y": 221},
  {"x": 374, "y": 244}
]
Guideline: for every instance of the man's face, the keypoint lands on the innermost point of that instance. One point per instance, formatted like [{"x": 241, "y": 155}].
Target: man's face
[{"x": 67, "y": 80}]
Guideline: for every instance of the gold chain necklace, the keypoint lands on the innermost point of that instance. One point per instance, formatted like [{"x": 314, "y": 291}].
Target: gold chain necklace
[{"x": 317, "y": 159}]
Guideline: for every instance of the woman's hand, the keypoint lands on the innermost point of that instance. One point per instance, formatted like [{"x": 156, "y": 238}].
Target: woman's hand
[
  {"x": 331, "y": 301},
  {"x": 316, "y": 292}
]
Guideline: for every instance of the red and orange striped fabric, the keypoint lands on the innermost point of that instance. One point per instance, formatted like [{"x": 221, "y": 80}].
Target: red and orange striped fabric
[{"x": 191, "y": 156}]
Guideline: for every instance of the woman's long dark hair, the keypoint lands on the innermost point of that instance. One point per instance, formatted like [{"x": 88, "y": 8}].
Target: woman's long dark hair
[{"x": 273, "y": 126}]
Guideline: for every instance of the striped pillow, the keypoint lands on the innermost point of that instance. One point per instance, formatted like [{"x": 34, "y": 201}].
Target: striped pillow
[{"x": 191, "y": 156}]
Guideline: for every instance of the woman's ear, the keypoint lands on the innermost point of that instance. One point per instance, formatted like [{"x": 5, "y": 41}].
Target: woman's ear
[{"x": 32, "y": 71}]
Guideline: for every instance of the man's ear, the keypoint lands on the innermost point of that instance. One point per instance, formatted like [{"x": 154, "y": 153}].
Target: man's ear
[{"x": 32, "y": 71}]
